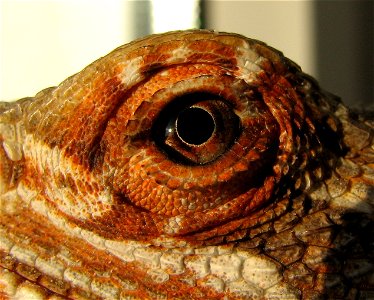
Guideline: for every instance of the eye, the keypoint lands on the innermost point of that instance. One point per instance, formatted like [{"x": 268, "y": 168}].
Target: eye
[{"x": 196, "y": 128}]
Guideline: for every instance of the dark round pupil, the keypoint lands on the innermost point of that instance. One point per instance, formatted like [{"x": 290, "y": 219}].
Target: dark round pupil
[{"x": 195, "y": 125}]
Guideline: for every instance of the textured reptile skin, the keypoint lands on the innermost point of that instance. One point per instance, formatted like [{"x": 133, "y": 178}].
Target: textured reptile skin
[{"x": 106, "y": 193}]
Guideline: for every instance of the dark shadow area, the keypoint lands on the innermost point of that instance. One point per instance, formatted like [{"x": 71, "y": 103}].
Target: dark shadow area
[{"x": 344, "y": 41}]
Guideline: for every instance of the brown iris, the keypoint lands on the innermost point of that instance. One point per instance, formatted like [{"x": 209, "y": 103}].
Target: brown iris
[{"x": 196, "y": 128}]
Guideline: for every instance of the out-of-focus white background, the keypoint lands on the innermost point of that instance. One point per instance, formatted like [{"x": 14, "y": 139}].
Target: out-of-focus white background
[{"x": 45, "y": 41}]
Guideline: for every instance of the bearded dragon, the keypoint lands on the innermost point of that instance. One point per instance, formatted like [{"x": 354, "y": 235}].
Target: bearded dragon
[{"x": 186, "y": 165}]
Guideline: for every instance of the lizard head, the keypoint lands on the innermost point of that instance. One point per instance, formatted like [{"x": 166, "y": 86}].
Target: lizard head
[
  {"x": 190, "y": 134},
  {"x": 188, "y": 163}
]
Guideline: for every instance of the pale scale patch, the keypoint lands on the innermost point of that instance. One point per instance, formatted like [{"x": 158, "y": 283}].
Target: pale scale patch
[
  {"x": 55, "y": 159},
  {"x": 23, "y": 255},
  {"x": 65, "y": 256},
  {"x": 246, "y": 54},
  {"x": 209, "y": 250},
  {"x": 8, "y": 131},
  {"x": 104, "y": 289},
  {"x": 123, "y": 250},
  {"x": 149, "y": 256},
  {"x": 13, "y": 150},
  {"x": 13, "y": 135},
  {"x": 5, "y": 243},
  {"x": 198, "y": 264},
  {"x": 93, "y": 239},
  {"x": 51, "y": 267},
  {"x": 158, "y": 275},
  {"x": 179, "y": 55},
  {"x": 242, "y": 289},
  {"x": 172, "y": 263},
  {"x": 261, "y": 272},
  {"x": 77, "y": 278},
  {"x": 38, "y": 205},
  {"x": 247, "y": 64},
  {"x": 347, "y": 168},
  {"x": 336, "y": 185},
  {"x": 224, "y": 249},
  {"x": 212, "y": 282},
  {"x": 54, "y": 164},
  {"x": 8, "y": 282},
  {"x": 128, "y": 285},
  {"x": 227, "y": 266},
  {"x": 61, "y": 223},
  {"x": 178, "y": 246},
  {"x": 10, "y": 202},
  {"x": 320, "y": 193},
  {"x": 281, "y": 291},
  {"x": 30, "y": 291},
  {"x": 25, "y": 193},
  {"x": 130, "y": 74},
  {"x": 351, "y": 201},
  {"x": 173, "y": 225},
  {"x": 164, "y": 73},
  {"x": 368, "y": 172},
  {"x": 363, "y": 190}
]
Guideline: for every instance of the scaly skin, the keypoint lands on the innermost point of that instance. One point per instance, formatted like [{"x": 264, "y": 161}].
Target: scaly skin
[{"x": 104, "y": 193}]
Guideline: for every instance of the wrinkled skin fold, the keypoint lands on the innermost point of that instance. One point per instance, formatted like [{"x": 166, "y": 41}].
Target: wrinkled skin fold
[{"x": 189, "y": 164}]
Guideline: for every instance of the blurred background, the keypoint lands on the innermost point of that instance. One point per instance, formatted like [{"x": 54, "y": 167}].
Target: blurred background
[{"x": 45, "y": 41}]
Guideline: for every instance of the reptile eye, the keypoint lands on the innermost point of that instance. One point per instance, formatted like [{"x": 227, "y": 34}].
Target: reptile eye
[{"x": 196, "y": 128}]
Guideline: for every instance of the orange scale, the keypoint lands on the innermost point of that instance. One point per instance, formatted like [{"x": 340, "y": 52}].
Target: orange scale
[
  {"x": 157, "y": 159},
  {"x": 162, "y": 203},
  {"x": 153, "y": 195},
  {"x": 195, "y": 195},
  {"x": 136, "y": 169},
  {"x": 174, "y": 206},
  {"x": 132, "y": 127},
  {"x": 240, "y": 166},
  {"x": 135, "y": 183},
  {"x": 161, "y": 178},
  {"x": 229, "y": 159},
  {"x": 199, "y": 171},
  {"x": 144, "y": 107},
  {"x": 252, "y": 155},
  {"x": 207, "y": 181},
  {"x": 190, "y": 185},
  {"x": 180, "y": 171},
  {"x": 238, "y": 150},
  {"x": 262, "y": 144},
  {"x": 88, "y": 188},
  {"x": 151, "y": 169},
  {"x": 146, "y": 188},
  {"x": 208, "y": 57},
  {"x": 165, "y": 165},
  {"x": 211, "y": 147},
  {"x": 144, "y": 202},
  {"x": 214, "y": 47},
  {"x": 151, "y": 59},
  {"x": 174, "y": 183},
  {"x": 226, "y": 175}
]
